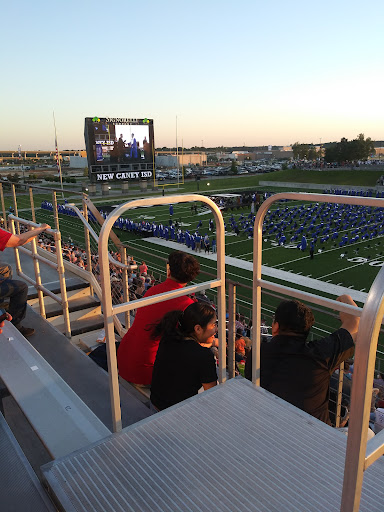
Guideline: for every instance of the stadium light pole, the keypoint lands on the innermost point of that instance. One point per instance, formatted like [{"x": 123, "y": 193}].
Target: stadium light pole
[
  {"x": 177, "y": 157},
  {"x": 21, "y": 161},
  {"x": 58, "y": 163}
]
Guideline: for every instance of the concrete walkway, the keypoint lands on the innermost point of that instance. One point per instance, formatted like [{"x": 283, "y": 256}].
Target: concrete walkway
[{"x": 289, "y": 277}]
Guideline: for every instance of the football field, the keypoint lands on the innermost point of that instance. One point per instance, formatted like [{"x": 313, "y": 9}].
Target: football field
[{"x": 353, "y": 265}]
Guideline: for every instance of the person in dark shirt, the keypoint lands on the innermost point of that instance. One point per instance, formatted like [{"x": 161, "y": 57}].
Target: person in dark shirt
[
  {"x": 184, "y": 363},
  {"x": 297, "y": 370}
]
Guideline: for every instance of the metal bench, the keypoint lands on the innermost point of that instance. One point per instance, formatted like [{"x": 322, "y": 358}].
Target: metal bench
[
  {"x": 63, "y": 422},
  {"x": 87, "y": 379},
  {"x": 20, "y": 489}
]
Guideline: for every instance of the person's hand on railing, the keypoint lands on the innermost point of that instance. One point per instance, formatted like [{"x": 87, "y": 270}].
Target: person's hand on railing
[{"x": 348, "y": 321}]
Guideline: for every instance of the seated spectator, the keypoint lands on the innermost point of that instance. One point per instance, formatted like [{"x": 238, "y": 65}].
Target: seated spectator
[
  {"x": 130, "y": 278},
  {"x": 139, "y": 287},
  {"x": 239, "y": 347},
  {"x": 15, "y": 289},
  {"x": 299, "y": 371},
  {"x": 143, "y": 268},
  {"x": 379, "y": 384},
  {"x": 184, "y": 362},
  {"x": 137, "y": 351},
  {"x": 239, "y": 324},
  {"x": 202, "y": 297}
]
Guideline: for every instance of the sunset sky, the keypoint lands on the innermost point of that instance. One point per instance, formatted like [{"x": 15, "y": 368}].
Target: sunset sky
[{"x": 234, "y": 73}]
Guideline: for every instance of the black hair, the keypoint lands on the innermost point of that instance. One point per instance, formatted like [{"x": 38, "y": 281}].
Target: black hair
[
  {"x": 180, "y": 324},
  {"x": 183, "y": 267},
  {"x": 294, "y": 316}
]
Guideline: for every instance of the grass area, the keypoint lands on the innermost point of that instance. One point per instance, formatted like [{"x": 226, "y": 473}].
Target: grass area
[
  {"x": 208, "y": 185},
  {"x": 366, "y": 178}
]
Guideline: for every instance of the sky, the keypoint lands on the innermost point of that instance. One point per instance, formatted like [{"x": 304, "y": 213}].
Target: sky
[{"x": 233, "y": 73}]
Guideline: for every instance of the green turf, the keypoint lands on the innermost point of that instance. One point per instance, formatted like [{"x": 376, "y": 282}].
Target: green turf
[{"x": 337, "y": 177}]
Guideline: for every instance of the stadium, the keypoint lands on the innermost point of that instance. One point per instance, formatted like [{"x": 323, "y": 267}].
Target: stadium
[
  {"x": 256, "y": 245},
  {"x": 321, "y": 247}
]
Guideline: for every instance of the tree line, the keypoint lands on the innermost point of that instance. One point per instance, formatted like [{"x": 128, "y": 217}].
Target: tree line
[
  {"x": 350, "y": 150},
  {"x": 344, "y": 151}
]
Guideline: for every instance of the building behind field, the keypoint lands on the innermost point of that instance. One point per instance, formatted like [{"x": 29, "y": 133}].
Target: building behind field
[
  {"x": 78, "y": 162},
  {"x": 170, "y": 159}
]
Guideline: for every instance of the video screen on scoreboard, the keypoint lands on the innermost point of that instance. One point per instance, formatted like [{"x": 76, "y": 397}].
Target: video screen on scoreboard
[{"x": 119, "y": 140}]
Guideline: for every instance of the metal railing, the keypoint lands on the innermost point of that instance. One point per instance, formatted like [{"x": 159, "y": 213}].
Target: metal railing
[
  {"x": 109, "y": 310},
  {"x": 56, "y": 260},
  {"x": 360, "y": 453},
  {"x": 58, "y": 265}
]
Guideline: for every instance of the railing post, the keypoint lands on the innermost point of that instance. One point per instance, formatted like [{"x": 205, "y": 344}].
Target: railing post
[
  {"x": 256, "y": 295},
  {"x": 339, "y": 394},
  {"x": 32, "y": 204},
  {"x": 87, "y": 243},
  {"x": 15, "y": 207},
  {"x": 55, "y": 212},
  {"x": 36, "y": 267},
  {"x": 127, "y": 316},
  {"x": 231, "y": 328},
  {"x": 3, "y": 204},
  {"x": 63, "y": 288},
  {"x": 17, "y": 256}
]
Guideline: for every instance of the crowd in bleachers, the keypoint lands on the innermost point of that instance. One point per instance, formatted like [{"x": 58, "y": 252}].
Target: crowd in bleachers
[
  {"x": 139, "y": 280},
  {"x": 354, "y": 193}
]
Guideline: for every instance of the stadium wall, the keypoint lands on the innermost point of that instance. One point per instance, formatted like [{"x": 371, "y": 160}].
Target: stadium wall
[
  {"x": 78, "y": 162},
  {"x": 315, "y": 186}
]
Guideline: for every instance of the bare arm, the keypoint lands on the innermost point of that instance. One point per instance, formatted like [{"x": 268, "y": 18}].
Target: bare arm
[
  {"x": 349, "y": 322},
  {"x": 24, "y": 238}
]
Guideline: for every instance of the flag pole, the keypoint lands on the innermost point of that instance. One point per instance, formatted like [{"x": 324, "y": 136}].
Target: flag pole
[{"x": 58, "y": 163}]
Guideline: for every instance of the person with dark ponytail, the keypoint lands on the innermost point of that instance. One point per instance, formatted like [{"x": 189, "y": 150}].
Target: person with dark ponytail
[
  {"x": 137, "y": 351},
  {"x": 184, "y": 363}
]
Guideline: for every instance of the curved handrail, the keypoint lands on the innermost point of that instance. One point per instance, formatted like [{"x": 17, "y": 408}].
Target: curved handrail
[
  {"x": 96, "y": 238},
  {"x": 108, "y": 309},
  {"x": 15, "y": 218},
  {"x": 258, "y": 283},
  {"x": 361, "y": 394}
]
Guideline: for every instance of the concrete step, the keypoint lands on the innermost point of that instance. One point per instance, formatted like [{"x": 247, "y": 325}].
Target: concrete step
[
  {"x": 72, "y": 293},
  {"x": 80, "y": 325},
  {"x": 72, "y": 283},
  {"x": 84, "y": 319},
  {"x": 76, "y": 305}
]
